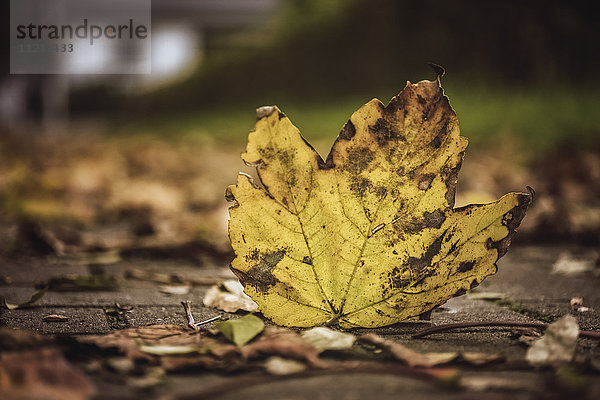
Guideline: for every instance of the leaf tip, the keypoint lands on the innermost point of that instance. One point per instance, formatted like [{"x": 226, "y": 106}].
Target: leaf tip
[
  {"x": 438, "y": 69},
  {"x": 265, "y": 111}
]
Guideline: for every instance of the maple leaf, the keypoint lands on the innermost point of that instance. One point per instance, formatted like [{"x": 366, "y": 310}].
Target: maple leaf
[{"x": 368, "y": 237}]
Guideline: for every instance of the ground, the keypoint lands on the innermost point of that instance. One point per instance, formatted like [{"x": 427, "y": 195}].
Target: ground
[
  {"x": 112, "y": 209},
  {"x": 531, "y": 293}
]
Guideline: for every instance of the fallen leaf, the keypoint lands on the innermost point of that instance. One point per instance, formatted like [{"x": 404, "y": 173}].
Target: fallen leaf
[
  {"x": 129, "y": 341},
  {"x": 368, "y": 237},
  {"x": 177, "y": 348},
  {"x": 477, "y": 359},
  {"x": 41, "y": 374},
  {"x": 569, "y": 264},
  {"x": 35, "y": 297},
  {"x": 55, "y": 318},
  {"x": 283, "y": 366},
  {"x": 577, "y": 305},
  {"x": 408, "y": 356},
  {"x": 175, "y": 290},
  {"x": 428, "y": 360},
  {"x": 526, "y": 336},
  {"x": 241, "y": 330},
  {"x": 229, "y": 296},
  {"x": 283, "y": 342},
  {"x": 166, "y": 350},
  {"x": 558, "y": 344},
  {"x": 488, "y": 383},
  {"x": 122, "y": 365},
  {"x": 323, "y": 338}
]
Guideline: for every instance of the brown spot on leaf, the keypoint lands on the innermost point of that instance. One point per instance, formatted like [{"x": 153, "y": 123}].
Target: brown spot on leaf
[
  {"x": 466, "y": 266},
  {"x": 359, "y": 159},
  {"x": 434, "y": 219},
  {"x": 348, "y": 131},
  {"x": 360, "y": 185},
  {"x": 261, "y": 275},
  {"x": 437, "y": 141},
  {"x": 253, "y": 256},
  {"x": 384, "y": 132},
  {"x": 425, "y": 181},
  {"x": 517, "y": 214},
  {"x": 451, "y": 180},
  {"x": 418, "y": 264}
]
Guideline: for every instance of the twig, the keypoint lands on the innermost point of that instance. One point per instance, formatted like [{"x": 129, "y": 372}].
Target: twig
[
  {"x": 537, "y": 325},
  {"x": 187, "y": 306},
  {"x": 216, "y": 318}
]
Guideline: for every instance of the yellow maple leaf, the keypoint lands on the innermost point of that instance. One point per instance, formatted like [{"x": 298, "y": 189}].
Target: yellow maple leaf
[{"x": 368, "y": 237}]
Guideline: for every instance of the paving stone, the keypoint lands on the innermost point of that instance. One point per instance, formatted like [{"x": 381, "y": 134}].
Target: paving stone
[
  {"x": 524, "y": 275},
  {"x": 81, "y": 320}
]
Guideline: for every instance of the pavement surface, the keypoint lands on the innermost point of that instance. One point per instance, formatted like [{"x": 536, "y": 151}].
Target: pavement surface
[{"x": 530, "y": 293}]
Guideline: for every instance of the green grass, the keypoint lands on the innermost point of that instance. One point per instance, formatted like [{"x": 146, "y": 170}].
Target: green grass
[{"x": 540, "y": 119}]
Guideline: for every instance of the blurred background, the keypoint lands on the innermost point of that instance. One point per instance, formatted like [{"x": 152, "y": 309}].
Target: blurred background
[{"x": 140, "y": 163}]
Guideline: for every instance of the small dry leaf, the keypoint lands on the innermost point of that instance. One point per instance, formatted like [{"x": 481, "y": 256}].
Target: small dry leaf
[
  {"x": 241, "y": 330},
  {"x": 428, "y": 360},
  {"x": 558, "y": 344},
  {"x": 323, "y": 338},
  {"x": 175, "y": 289},
  {"x": 177, "y": 348},
  {"x": 477, "y": 359},
  {"x": 526, "y": 336},
  {"x": 170, "y": 350},
  {"x": 486, "y": 383},
  {"x": 283, "y": 366},
  {"x": 577, "y": 305},
  {"x": 569, "y": 264},
  {"x": 408, "y": 356},
  {"x": 55, "y": 318},
  {"x": 128, "y": 341},
  {"x": 284, "y": 343},
  {"x": 35, "y": 297},
  {"x": 229, "y": 296},
  {"x": 122, "y": 365}
]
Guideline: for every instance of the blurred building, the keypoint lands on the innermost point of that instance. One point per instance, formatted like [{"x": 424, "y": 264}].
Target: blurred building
[{"x": 184, "y": 34}]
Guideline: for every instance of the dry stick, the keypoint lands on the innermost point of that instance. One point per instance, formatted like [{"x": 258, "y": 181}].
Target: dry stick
[
  {"x": 215, "y": 318},
  {"x": 188, "y": 312},
  {"x": 538, "y": 325}
]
